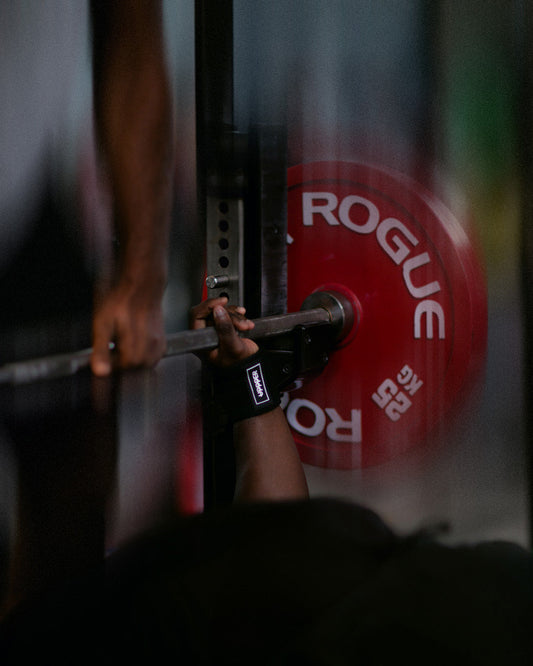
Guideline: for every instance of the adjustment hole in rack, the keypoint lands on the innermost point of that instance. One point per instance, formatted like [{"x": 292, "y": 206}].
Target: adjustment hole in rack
[
  {"x": 223, "y": 243},
  {"x": 223, "y": 207},
  {"x": 224, "y": 294},
  {"x": 223, "y": 225},
  {"x": 224, "y": 262}
]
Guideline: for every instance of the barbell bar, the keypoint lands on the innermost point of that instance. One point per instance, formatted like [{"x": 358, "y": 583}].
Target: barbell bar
[{"x": 321, "y": 307}]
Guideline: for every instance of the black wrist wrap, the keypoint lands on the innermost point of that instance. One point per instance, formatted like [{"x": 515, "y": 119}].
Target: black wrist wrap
[{"x": 247, "y": 388}]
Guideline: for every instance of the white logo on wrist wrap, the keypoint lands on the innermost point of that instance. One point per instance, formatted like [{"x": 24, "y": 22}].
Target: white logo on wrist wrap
[{"x": 257, "y": 384}]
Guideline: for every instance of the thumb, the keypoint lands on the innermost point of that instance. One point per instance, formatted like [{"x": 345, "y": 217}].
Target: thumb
[{"x": 227, "y": 335}]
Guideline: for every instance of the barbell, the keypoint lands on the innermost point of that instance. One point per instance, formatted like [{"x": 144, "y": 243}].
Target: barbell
[{"x": 320, "y": 308}]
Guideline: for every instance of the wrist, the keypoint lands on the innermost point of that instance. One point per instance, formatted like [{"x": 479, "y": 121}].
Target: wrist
[
  {"x": 247, "y": 388},
  {"x": 144, "y": 274},
  {"x": 142, "y": 248}
]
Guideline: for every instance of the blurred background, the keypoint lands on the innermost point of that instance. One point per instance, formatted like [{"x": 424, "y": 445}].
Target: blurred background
[{"x": 433, "y": 89}]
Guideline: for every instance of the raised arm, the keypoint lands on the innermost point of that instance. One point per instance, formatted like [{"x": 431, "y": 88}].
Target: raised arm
[
  {"x": 134, "y": 120},
  {"x": 268, "y": 466}
]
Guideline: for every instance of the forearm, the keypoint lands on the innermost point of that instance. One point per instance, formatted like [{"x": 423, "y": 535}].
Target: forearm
[
  {"x": 267, "y": 461},
  {"x": 134, "y": 119},
  {"x": 268, "y": 466}
]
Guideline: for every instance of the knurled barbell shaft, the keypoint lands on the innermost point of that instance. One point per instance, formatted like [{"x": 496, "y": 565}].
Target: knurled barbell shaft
[{"x": 184, "y": 342}]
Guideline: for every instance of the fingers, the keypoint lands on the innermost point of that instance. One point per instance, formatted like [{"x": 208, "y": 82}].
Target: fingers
[
  {"x": 232, "y": 347},
  {"x": 239, "y": 319},
  {"x": 201, "y": 315},
  {"x": 103, "y": 333},
  {"x": 229, "y": 341},
  {"x": 137, "y": 335},
  {"x": 141, "y": 342}
]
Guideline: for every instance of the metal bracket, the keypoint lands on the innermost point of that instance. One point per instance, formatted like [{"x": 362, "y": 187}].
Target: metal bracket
[
  {"x": 300, "y": 355},
  {"x": 225, "y": 221}
]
